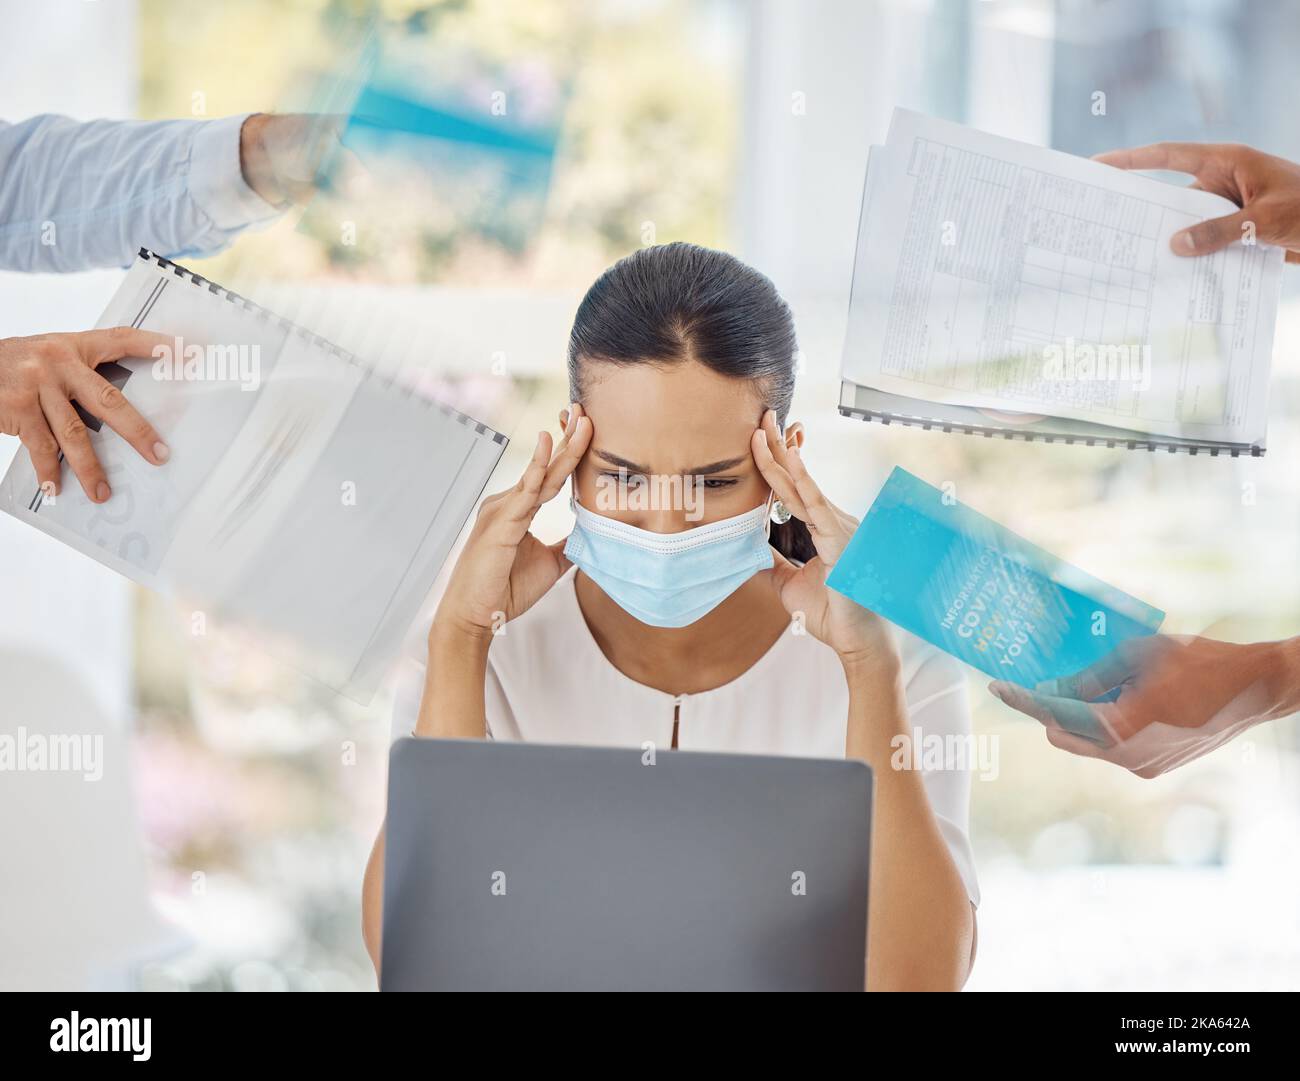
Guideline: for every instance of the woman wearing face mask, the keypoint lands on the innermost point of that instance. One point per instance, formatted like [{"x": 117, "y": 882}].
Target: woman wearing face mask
[{"x": 700, "y": 621}]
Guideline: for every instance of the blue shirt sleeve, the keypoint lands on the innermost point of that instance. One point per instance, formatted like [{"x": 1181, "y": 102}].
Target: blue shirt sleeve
[{"x": 79, "y": 195}]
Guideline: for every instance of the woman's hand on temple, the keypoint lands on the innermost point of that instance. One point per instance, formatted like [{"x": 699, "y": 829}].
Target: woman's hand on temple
[
  {"x": 504, "y": 570},
  {"x": 854, "y": 632}
]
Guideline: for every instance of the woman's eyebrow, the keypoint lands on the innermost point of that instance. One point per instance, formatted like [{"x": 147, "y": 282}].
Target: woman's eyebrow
[
  {"x": 614, "y": 459},
  {"x": 717, "y": 467},
  {"x": 698, "y": 471}
]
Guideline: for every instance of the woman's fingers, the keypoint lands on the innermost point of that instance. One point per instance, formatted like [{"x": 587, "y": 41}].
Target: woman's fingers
[
  {"x": 69, "y": 429},
  {"x": 765, "y": 445},
  {"x": 577, "y": 437},
  {"x": 545, "y": 474},
  {"x": 794, "y": 486},
  {"x": 825, "y": 523},
  {"x": 520, "y": 503}
]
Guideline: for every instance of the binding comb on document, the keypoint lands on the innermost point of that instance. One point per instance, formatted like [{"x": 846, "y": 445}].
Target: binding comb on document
[
  {"x": 1010, "y": 291},
  {"x": 304, "y": 496},
  {"x": 871, "y": 405}
]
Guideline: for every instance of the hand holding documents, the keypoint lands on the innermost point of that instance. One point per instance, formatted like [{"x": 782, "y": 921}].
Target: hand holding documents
[
  {"x": 976, "y": 590},
  {"x": 304, "y": 495},
  {"x": 1008, "y": 289}
]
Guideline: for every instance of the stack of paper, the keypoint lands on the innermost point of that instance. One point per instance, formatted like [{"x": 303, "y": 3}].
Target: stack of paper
[
  {"x": 304, "y": 496},
  {"x": 1008, "y": 289}
]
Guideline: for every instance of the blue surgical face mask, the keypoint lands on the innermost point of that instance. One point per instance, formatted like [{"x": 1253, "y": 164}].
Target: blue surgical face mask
[{"x": 669, "y": 579}]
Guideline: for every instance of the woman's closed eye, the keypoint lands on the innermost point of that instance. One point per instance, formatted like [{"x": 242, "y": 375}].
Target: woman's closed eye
[
  {"x": 624, "y": 478},
  {"x": 637, "y": 480}
]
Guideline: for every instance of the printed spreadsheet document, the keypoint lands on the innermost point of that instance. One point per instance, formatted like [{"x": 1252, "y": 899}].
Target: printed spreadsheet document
[{"x": 995, "y": 274}]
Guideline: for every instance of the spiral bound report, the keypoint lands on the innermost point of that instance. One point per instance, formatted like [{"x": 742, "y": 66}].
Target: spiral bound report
[
  {"x": 305, "y": 497},
  {"x": 868, "y": 404},
  {"x": 1016, "y": 292}
]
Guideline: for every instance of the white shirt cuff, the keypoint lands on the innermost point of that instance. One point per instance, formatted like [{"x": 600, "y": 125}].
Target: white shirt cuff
[{"x": 216, "y": 179}]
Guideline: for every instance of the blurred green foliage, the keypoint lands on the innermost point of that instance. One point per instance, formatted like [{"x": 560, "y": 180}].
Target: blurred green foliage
[{"x": 647, "y": 141}]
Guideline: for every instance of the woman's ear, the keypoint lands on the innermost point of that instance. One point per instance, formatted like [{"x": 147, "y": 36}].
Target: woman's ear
[{"x": 794, "y": 435}]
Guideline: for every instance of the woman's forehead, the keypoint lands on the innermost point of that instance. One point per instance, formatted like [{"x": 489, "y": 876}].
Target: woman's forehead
[{"x": 669, "y": 417}]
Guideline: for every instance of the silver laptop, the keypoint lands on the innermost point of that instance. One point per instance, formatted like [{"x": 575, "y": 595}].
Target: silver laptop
[{"x": 513, "y": 866}]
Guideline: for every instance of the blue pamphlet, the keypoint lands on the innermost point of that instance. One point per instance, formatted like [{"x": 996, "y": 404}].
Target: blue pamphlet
[{"x": 976, "y": 590}]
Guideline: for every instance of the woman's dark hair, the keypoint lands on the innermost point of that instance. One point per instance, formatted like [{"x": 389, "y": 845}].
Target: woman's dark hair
[{"x": 676, "y": 302}]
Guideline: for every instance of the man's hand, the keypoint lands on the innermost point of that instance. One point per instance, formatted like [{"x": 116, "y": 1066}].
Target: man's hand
[
  {"x": 1178, "y": 698},
  {"x": 40, "y": 377},
  {"x": 1266, "y": 188},
  {"x": 285, "y": 158}
]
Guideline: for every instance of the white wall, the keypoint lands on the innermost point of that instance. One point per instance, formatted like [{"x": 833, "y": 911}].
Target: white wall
[
  {"x": 853, "y": 61},
  {"x": 803, "y": 159},
  {"x": 76, "y": 58}
]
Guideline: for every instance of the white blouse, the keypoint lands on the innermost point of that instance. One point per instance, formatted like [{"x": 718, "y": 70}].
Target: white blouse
[{"x": 549, "y": 682}]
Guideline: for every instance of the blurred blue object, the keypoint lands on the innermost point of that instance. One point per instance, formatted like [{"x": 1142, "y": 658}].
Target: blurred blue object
[
  {"x": 978, "y": 591},
  {"x": 377, "y": 110}
]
